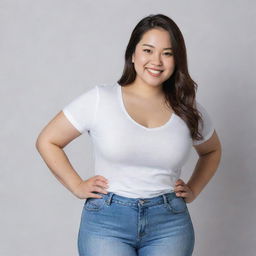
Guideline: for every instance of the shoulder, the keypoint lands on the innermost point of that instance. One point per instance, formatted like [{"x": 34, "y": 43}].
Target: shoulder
[
  {"x": 94, "y": 91},
  {"x": 105, "y": 90},
  {"x": 106, "y": 87}
]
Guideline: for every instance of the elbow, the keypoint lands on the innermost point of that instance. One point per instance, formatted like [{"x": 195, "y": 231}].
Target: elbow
[
  {"x": 220, "y": 152},
  {"x": 219, "y": 149},
  {"x": 40, "y": 142}
]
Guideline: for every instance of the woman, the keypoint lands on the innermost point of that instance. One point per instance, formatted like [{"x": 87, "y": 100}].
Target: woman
[{"x": 142, "y": 128}]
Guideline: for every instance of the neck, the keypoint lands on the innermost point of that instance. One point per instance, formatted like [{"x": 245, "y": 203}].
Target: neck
[{"x": 144, "y": 90}]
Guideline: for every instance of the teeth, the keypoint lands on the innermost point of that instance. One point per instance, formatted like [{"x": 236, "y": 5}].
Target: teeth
[{"x": 154, "y": 71}]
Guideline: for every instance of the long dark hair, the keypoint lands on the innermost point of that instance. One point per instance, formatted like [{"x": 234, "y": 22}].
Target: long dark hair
[{"x": 179, "y": 89}]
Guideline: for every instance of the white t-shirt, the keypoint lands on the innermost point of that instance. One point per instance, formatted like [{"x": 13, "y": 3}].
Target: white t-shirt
[{"x": 139, "y": 162}]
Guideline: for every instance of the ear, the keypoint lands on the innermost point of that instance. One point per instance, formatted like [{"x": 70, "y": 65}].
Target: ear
[{"x": 133, "y": 58}]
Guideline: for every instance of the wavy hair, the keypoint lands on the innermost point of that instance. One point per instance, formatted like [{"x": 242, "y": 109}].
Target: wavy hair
[{"x": 179, "y": 89}]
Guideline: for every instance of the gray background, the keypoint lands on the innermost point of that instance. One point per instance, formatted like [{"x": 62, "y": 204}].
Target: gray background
[{"x": 53, "y": 50}]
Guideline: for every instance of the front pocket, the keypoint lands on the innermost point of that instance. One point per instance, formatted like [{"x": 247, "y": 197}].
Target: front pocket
[
  {"x": 177, "y": 205},
  {"x": 94, "y": 204}
]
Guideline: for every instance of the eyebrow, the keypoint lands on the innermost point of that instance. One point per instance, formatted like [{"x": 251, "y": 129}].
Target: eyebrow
[{"x": 154, "y": 47}]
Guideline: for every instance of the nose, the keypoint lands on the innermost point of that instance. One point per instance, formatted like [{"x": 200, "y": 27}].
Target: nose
[{"x": 156, "y": 59}]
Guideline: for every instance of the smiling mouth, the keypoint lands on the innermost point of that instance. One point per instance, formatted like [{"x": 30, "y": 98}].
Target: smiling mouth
[{"x": 154, "y": 73}]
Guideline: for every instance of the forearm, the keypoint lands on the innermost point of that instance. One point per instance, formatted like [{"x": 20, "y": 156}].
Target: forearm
[
  {"x": 204, "y": 170},
  {"x": 58, "y": 163}
]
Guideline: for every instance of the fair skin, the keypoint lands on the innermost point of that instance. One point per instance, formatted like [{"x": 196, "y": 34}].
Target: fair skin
[
  {"x": 209, "y": 153},
  {"x": 58, "y": 133},
  {"x": 143, "y": 94},
  {"x": 143, "y": 98},
  {"x": 153, "y": 51}
]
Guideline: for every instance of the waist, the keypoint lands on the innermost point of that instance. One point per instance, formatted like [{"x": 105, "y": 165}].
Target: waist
[{"x": 160, "y": 199}]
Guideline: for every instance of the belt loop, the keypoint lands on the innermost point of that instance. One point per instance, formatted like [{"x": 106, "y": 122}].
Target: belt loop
[
  {"x": 110, "y": 195},
  {"x": 164, "y": 197}
]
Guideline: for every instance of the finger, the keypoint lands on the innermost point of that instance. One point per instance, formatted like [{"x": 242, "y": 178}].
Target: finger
[
  {"x": 101, "y": 184},
  {"x": 182, "y": 194},
  {"x": 99, "y": 177},
  {"x": 100, "y": 190},
  {"x": 93, "y": 195},
  {"x": 101, "y": 180},
  {"x": 180, "y": 181},
  {"x": 180, "y": 189},
  {"x": 178, "y": 193}
]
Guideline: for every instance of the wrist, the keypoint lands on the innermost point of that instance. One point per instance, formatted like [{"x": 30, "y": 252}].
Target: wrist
[
  {"x": 192, "y": 190},
  {"x": 74, "y": 190}
]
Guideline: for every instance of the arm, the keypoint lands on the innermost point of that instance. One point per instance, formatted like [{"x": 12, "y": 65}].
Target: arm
[
  {"x": 50, "y": 143},
  {"x": 209, "y": 158}
]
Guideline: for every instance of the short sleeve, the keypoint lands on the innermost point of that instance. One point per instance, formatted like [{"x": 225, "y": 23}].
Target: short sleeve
[
  {"x": 81, "y": 111},
  {"x": 208, "y": 127}
]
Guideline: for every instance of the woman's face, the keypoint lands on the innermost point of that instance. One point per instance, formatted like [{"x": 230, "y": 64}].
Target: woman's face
[{"x": 153, "y": 52}]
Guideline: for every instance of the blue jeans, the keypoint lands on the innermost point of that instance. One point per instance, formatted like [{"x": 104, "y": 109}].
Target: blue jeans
[{"x": 121, "y": 226}]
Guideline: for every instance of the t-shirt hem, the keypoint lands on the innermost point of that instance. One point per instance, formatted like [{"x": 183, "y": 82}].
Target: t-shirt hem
[
  {"x": 72, "y": 120},
  {"x": 205, "y": 138}
]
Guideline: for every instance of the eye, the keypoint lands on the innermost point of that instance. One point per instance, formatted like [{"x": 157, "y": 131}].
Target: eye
[
  {"x": 146, "y": 50},
  {"x": 166, "y": 53}
]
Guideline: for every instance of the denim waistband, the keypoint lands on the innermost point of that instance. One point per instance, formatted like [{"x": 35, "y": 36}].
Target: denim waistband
[{"x": 112, "y": 197}]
